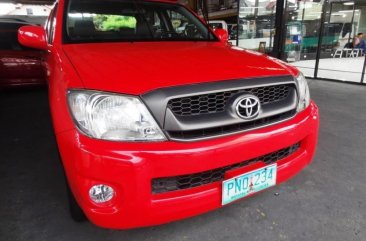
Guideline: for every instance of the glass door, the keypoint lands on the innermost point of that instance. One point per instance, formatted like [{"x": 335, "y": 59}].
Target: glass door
[
  {"x": 255, "y": 28},
  {"x": 302, "y": 25},
  {"x": 341, "y": 56}
]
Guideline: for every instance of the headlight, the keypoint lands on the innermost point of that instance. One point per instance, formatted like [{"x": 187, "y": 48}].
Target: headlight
[
  {"x": 303, "y": 92},
  {"x": 112, "y": 117}
]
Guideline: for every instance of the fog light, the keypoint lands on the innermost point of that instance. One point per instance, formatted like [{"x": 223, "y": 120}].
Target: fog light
[{"x": 101, "y": 193}]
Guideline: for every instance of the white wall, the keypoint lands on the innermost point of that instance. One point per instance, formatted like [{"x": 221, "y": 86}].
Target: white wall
[{"x": 20, "y": 9}]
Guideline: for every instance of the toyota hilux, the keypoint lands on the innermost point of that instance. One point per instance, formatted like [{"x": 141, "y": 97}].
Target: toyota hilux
[{"x": 157, "y": 118}]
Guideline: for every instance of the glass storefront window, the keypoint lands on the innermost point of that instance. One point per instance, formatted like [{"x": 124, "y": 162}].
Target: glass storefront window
[
  {"x": 256, "y": 27},
  {"x": 303, "y": 22},
  {"x": 316, "y": 36},
  {"x": 340, "y": 59},
  {"x": 338, "y": 21}
]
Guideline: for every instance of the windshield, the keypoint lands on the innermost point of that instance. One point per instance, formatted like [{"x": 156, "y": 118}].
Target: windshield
[{"x": 119, "y": 20}]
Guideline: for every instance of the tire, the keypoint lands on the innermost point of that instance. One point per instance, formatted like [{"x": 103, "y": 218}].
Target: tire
[{"x": 76, "y": 212}]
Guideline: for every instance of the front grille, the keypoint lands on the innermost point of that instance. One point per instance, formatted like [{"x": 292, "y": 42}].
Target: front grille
[
  {"x": 229, "y": 129},
  {"x": 167, "y": 184},
  {"x": 216, "y": 102}
]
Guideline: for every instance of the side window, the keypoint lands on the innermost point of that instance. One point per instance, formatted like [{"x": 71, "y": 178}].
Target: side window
[
  {"x": 105, "y": 23},
  {"x": 50, "y": 25},
  {"x": 110, "y": 26}
]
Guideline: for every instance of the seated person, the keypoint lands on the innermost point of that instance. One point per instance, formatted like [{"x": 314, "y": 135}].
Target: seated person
[{"x": 359, "y": 42}]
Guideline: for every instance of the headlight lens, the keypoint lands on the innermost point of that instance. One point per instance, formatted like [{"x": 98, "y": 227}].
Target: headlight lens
[
  {"x": 303, "y": 91},
  {"x": 113, "y": 117}
]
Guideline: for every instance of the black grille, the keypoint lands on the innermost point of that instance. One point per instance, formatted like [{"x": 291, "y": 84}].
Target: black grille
[
  {"x": 224, "y": 130},
  {"x": 161, "y": 185},
  {"x": 216, "y": 102}
]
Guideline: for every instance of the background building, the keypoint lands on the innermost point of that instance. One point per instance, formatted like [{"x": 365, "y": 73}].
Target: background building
[
  {"x": 313, "y": 35},
  {"x": 32, "y": 13}
]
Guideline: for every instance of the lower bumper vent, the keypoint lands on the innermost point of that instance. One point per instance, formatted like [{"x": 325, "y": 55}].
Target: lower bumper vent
[{"x": 167, "y": 184}]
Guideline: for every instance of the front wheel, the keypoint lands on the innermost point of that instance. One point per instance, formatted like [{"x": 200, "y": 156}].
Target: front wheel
[{"x": 76, "y": 212}]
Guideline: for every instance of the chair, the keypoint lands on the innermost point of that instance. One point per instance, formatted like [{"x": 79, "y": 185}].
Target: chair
[
  {"x": 262, "y": 47},
  {"x": 356, "y": 53},
  {"x": 338, "y": 52},
  {"x": 346, "y": 51}
]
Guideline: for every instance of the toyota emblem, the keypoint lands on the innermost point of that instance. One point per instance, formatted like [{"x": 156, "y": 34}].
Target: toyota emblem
[{"x": 248, "y": 107}]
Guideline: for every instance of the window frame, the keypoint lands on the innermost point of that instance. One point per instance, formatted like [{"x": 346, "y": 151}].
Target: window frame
[{"x": 50, "y": 25}]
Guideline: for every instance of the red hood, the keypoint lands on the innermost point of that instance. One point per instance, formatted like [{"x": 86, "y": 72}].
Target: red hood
[{"x": 139, "y": 67}]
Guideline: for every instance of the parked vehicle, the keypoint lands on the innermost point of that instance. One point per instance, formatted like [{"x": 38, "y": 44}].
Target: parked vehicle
[
  {"x": 19, "y": 66},
  {"x": 218, "y": 24},
  {"x": 155, "y": 125}
]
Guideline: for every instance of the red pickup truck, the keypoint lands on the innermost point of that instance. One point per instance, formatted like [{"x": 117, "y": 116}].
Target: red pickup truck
[
  {"x": 157, "y": 118},
  {"x": 19, "y": 65}
]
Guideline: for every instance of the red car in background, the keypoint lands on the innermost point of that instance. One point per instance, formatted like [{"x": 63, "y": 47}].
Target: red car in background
[{"x": 19, "y": 65}]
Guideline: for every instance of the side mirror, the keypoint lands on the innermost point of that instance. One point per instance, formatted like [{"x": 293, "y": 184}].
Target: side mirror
[
  {"x": 33, "y": 37},
  {"x": 222, "y": 34}
]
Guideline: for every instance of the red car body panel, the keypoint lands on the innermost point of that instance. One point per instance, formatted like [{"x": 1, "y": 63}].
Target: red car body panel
[
  {"x": 19, "y": 66},
  {"x": 130, "y": 167},
  {"x": 137, "y": 68},
  {"x": 197, "y": 63}
]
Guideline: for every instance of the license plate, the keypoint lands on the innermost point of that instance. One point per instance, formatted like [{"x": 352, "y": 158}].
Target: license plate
[{"x": 248, "y": 183}]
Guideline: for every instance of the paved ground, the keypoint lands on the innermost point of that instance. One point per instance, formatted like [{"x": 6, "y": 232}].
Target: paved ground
[{"x": 327, "y": 201}]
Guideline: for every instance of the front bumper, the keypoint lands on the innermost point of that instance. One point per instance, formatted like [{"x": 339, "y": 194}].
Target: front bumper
[{"x": 130, "y": 167}]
